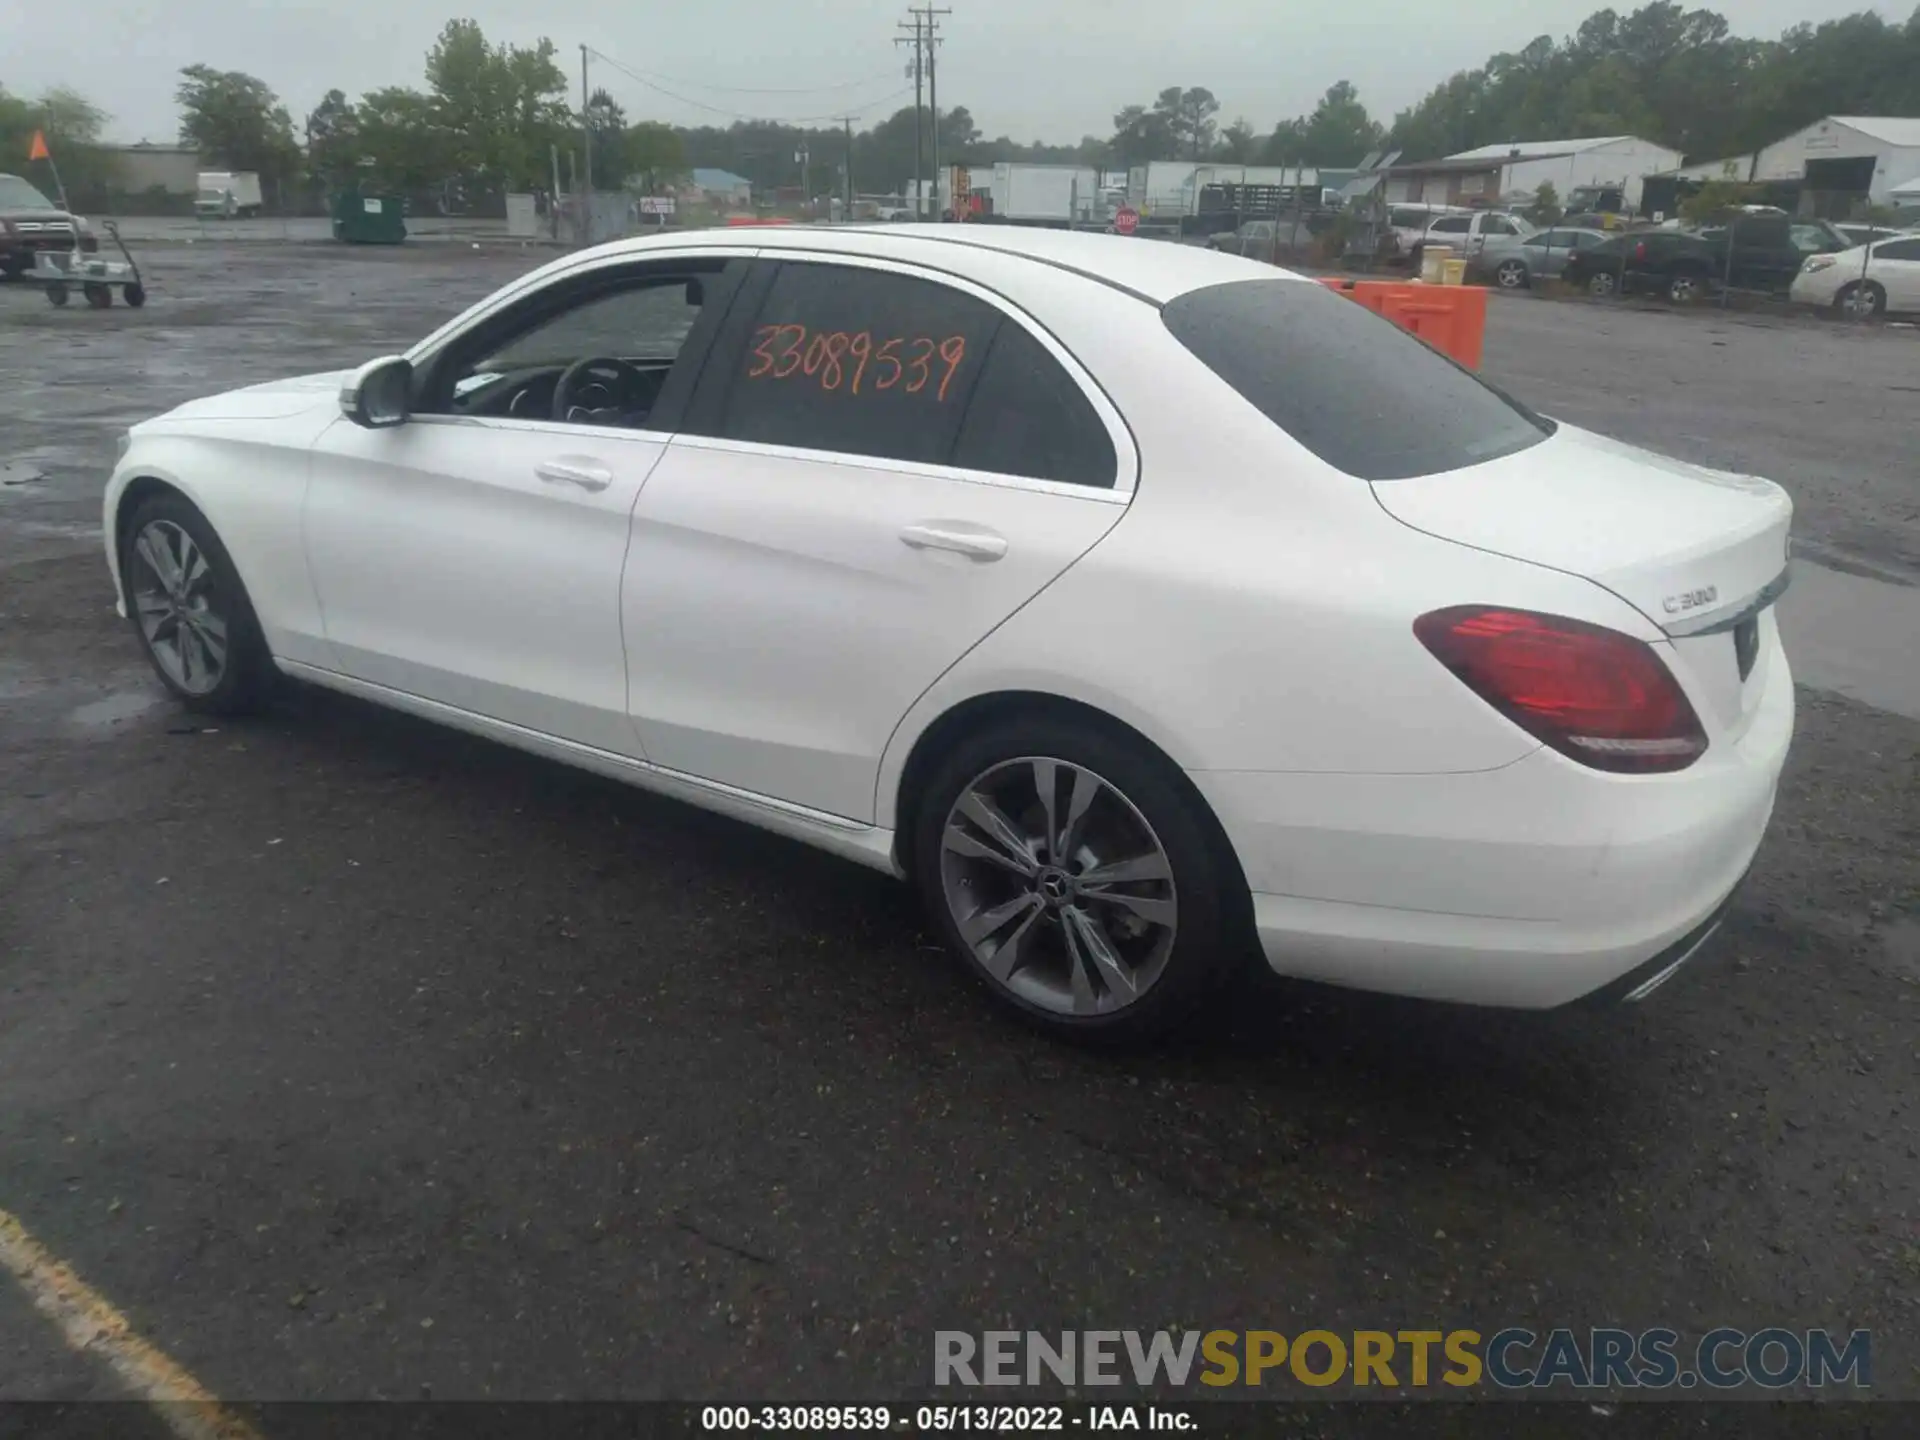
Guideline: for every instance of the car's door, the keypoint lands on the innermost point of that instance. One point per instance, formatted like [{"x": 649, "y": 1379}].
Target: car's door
[
  {"x": 880, "y": 466},
  {"x": 472, "y": 556},
  {"x": 1896, "y": 265}
]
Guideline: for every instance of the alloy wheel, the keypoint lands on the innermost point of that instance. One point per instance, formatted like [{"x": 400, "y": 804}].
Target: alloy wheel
[
  {"x": 171, "y": 586},
  {"x": 1682, "y": 289},
  {"x": 1602, "y": 283},
  {"x": 1860, "y": 301},
  {"x": 1511, "y": 275},
  {"x": 1059, "y": 886}
]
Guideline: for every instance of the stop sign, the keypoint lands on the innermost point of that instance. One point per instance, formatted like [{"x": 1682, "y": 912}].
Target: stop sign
[{"x": 1125, "y": 219}]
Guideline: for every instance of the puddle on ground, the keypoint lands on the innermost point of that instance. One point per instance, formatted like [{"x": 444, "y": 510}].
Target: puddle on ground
[{"x": 114, "y": 708}]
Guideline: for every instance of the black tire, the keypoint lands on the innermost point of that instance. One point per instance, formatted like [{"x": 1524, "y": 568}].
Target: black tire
[
  {"x": 1686, "y": 286},
  {"x": 247, "y": 680},
  {"x": 1214, "y": 935},
  {"x": 135, "y": 294},
  {"x": 58, "y": 292},
  {"x": 100, "y": 297},
  {"x": 1858, "y": 298},
  {"x": 1603, "y": 284}
]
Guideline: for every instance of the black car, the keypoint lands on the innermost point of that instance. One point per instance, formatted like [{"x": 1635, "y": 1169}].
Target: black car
[
  {"x": 30, "y": 222},
  {"x": 1767, "y": 251}
]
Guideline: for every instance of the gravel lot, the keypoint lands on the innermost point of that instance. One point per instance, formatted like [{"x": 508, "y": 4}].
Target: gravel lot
[{"x": 355, "y": 1059}]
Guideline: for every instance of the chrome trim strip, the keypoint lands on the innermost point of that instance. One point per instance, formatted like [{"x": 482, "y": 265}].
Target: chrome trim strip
[
  {"x": 1647, "y": 987},
  {"x": 1772, "y": 591},
  {"x": 1095, "y": 493}
]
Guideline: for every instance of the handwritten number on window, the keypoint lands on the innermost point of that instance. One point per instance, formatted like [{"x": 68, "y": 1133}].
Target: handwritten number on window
[{"x": 854, "y": 360}]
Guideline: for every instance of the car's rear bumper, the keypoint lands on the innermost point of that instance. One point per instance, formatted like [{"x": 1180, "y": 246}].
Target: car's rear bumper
[{"x": 1532, "y": 886}]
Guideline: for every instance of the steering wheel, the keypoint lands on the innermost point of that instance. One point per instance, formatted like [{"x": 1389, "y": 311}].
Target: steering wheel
[{"x": 604, "y": 365}]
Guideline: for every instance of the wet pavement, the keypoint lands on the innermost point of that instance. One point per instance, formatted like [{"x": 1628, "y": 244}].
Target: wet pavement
[{"x": 357, "y": 1059}]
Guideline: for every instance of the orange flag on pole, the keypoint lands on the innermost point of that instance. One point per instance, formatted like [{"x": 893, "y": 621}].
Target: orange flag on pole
[{"x": 38, "y": 150}]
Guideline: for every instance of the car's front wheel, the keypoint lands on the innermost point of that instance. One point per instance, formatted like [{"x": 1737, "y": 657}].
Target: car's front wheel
[
  {"x": 190, "y": 610},
  {"x": 1079, "y": 878},
  {"x": 1603, "y": 283},
  {"x": 1685, "y": 286},
  {"x": 1511, "y": 275}
]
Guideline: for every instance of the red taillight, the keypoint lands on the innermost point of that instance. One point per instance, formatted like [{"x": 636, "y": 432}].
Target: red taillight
[
  {"x": 1640, "y": 251},
  {"x": 1600, "y": 697}
]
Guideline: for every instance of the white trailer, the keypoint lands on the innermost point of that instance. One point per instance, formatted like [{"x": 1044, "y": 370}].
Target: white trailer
[{"x": 1047, "y": 194}]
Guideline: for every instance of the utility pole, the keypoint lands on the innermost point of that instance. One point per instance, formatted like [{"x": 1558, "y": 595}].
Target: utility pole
[
  {"x": 926, "y": 36},
  {"x": 933, "y": 100},
  {"x": 919, "y": 135},
  {"x": 847, "y": 122},
  {"x": 586, "y": 146}
]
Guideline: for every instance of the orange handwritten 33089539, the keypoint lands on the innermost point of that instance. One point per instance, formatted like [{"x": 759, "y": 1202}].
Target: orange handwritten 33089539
[{"x": 854, "y": 359}]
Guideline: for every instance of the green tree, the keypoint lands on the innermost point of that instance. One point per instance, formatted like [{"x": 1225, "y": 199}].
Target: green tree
[
  {"x": 500, "y": 107},
  {"x": 236, "y": 122},
  {"x": 334, "y": 146},
  {"x": 1188, "y": 115},
  {"x": 402, "y": 140},
  {"x": 71, "y": 124},
  {"x": 1141, "y": 135},
  {"x": 1339, "y": 132},
  {"x": 1238, "y": 143},
  {"x": 1545, "y": 207}
]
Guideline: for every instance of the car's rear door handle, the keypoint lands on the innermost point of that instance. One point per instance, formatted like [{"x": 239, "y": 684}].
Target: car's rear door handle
[
  {"x": 975, "y": 544},
  {"x": 572, "y": 470}
]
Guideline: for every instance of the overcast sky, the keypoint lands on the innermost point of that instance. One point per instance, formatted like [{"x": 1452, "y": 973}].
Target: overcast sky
[{"x": 1032, "y": 69}]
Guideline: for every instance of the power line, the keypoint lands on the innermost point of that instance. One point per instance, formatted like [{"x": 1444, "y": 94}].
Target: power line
[
  {"x": 755, "y": 90},
  {"x": 639, "y": 78}
]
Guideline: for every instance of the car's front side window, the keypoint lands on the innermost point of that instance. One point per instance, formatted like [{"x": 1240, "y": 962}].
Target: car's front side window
[{"x": 595, "y": 349}]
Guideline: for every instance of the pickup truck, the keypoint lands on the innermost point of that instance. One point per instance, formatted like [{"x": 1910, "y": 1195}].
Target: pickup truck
[
  {"x": 30, "y": 223},
  {"x": 1751, "y": 252}
]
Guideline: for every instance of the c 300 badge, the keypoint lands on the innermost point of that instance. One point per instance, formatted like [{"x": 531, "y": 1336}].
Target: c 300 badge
[{"x": 1690, "y": 600}]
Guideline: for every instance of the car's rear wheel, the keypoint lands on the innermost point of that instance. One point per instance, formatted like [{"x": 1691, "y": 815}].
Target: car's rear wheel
[
  {"x": 1858, "y": 299},
  {"x": 1511, "y": 275},
  {"x": 1603, "y": 283},
  {"x": 1686, "y": 286},
  {"x": 190, "y": 610},
  {"x": 1077, "y": 876}
]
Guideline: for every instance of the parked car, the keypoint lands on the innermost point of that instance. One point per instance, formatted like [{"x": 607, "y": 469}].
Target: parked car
[
  {"x": 30, "y": 223},
  {"x": 1478, "y": 237},
  {"x": 1863, "y": 234},
  {"x": 1407, "y": 224},
  {"x": 1003, "y": 560},
  {"x": 1255, "y": 239},
  {"x": 1767, "y": 251},
  {"x": 1866, "y": 280},
  {"x": 1540, "y": 256}
]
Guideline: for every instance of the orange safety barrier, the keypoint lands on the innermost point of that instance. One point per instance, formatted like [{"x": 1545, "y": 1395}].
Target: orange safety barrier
[{"x": 1451, "y": 318}]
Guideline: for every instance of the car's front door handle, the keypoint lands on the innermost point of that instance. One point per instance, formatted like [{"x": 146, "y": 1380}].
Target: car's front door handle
[
  {"x": 975, "y": 544},
  {"x": 571, "y": 470}
]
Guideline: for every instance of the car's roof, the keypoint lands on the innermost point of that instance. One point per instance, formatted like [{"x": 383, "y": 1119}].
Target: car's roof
[{"x": 1153, "y": 270}]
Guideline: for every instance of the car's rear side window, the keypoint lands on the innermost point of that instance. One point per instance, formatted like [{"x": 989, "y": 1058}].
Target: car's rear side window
[{"x": 1356, "y": 390}]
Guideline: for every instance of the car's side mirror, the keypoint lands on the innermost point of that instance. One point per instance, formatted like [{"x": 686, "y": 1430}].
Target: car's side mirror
[{"x": 379, "y": 393}]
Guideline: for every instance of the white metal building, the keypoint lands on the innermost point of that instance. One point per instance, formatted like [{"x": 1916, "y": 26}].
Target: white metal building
[
  {"x": 1847, "y": 154},
  {"x": 1493, "y": 172}
]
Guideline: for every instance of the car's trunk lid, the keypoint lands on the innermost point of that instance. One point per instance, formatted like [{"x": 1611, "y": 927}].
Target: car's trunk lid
[{"x": 1701, "y": 553}]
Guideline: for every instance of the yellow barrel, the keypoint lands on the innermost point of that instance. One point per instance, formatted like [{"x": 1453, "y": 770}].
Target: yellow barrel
[
  {"x": 1453, "y": 272},
  {"x": 1433, "y": 259}
]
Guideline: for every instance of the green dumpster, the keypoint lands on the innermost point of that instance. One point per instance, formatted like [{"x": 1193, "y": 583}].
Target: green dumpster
[{"x": 363, "y": 219}]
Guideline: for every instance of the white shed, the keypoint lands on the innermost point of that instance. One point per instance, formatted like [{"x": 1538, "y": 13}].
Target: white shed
[
  {"x": 1865, "y": 155},
  {"x": 1621, "y": 160}
]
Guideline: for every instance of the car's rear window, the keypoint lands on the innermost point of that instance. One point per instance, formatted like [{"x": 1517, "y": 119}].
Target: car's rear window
[{"x": 1356, "y": 390}]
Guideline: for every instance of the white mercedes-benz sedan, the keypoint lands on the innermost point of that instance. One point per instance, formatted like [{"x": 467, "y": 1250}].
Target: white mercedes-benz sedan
[{"x": 1141, "y": 605}]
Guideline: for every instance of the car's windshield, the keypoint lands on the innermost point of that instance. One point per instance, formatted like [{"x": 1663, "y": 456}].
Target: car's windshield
[
  {"x": 1356, "y": 390},
  {"x": 17, "y": 194}
]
